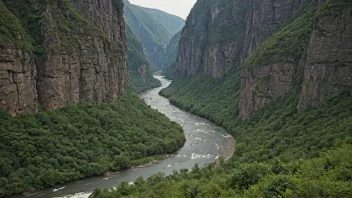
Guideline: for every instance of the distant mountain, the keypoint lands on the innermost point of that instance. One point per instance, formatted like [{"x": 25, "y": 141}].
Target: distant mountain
[
  {"x": 154, "y": 28},
  {"x": 171, "y": 55},
  {"x": 140, "y": 76}
]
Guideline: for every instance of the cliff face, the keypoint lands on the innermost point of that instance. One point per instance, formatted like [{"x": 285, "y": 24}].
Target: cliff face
[
  {"x": 84, "y": 61},
  {"x": 211, "y": 38},
  {"x": 17, "y": 80},
  {"x": 328, "y": 69}
]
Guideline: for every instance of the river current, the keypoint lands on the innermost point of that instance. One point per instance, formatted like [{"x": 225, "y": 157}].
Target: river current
[{"x": 205, "y": 142}]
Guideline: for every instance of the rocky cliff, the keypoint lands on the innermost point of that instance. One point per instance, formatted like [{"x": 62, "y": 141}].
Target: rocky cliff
[
  {"x": 328, "y": 69},
  {"x": 82, "y": 59}
]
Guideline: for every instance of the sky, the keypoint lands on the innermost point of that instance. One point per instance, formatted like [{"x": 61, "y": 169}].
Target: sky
[{"x": 179, "y": 8}]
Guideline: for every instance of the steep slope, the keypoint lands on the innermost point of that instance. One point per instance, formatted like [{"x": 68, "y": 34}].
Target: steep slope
[
  {"x": 171, "y": 55},
  {"x": 154, "y": 29},
  {"x": 64, "y": 52},
  {"x": 140, "y": 75}
]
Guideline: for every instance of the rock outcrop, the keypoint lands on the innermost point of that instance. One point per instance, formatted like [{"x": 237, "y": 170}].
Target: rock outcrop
[
  {"x": 85, "y": 58},
  {"x": 260, "y": 85},
  {"x": 328, "y": 69},
  {"x": 93, "y": 68}
]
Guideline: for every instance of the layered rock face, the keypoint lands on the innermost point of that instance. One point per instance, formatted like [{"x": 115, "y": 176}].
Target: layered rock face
[
  {"x": 18, "y": 75},
  {"x": 85, "y": 56},
  {"x": 328, "y": 69}
]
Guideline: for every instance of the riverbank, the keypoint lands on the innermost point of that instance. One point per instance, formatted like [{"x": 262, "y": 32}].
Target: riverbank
[{"x": 205, "y": 142}]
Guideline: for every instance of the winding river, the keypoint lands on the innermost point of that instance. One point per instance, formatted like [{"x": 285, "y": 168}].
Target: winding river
[{"x": 205, "y": 142}]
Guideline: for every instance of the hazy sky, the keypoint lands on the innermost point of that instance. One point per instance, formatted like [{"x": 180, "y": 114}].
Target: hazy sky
[{"x": 179, "y": 8}]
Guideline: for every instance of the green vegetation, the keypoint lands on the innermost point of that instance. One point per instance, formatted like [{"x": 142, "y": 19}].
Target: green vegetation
[
  {"x": 287, "y": 44},
  {"x": 12, "y": 31},
  {"x": 140, "y": 76},
  {"x": 53, "y": 147},
  {"x": 154, "y": 29},
  {"x": 332, "y": 7}
]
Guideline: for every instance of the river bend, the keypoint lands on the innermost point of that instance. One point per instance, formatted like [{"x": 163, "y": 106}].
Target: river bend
[{"x": 205, "y": 142}]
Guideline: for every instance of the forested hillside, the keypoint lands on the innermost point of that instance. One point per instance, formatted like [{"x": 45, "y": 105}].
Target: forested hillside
[{"x": 154, "y": 28}]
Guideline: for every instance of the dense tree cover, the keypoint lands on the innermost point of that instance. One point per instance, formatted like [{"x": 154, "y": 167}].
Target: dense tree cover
[
  {"x": 326, "y": 176},
  {"x": 53, "y": 147},
  {"x": 140, "y": 74}
]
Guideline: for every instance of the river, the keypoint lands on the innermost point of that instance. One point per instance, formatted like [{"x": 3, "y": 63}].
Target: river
[{"x": 205, "y": 142}]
